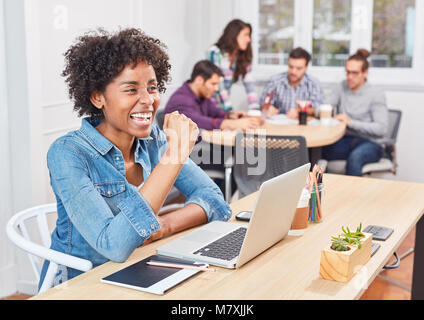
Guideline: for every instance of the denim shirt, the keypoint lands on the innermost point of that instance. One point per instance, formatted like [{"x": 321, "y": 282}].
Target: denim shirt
[{"x": 101, "y": 216}]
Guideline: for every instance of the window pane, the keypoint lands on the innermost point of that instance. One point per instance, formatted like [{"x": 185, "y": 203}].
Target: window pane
[
  {"x": 393, "y": 33},
  {"x": 332, "y": 32},
  {"x": 276, "y": 31}
]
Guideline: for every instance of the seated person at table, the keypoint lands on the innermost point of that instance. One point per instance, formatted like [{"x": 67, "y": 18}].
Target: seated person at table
[
  {"x": 111, "y": 176},
  {"x": 363, "y": 108},
  {"x": 293, "y": 85},
  {"x": 194, "y": 99}
]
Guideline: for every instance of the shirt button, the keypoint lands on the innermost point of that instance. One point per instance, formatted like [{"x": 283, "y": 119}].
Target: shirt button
[
  {"x": 152, "y": 226},
  {"x": 225, "y": 216},
  {"x": 109, "y": 193},
  {"x": 117, "y": 158},
  {"x": 143, "y": 232}
]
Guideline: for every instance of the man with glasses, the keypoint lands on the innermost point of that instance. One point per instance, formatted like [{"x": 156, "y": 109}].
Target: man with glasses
[{"x": 364, "y": 111}]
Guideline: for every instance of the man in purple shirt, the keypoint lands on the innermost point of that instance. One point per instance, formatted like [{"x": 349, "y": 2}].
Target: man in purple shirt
[{"x": 193, "y": 99}]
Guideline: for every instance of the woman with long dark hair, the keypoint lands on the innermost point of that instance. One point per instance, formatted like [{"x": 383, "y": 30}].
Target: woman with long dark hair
[{"x": 232, "y": 53}]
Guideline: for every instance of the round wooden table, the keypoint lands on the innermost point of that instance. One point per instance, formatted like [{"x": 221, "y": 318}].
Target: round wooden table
[{"x": 315, "y": 136}]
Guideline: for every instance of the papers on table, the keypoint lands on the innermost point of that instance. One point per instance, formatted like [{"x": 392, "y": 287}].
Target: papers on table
[
  {"x": 282, "y": 119},
  {"x": 330, "y": 122}
]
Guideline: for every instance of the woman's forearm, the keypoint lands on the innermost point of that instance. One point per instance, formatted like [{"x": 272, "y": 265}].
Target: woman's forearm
[
  {"x": 175, "y": 221},
  {"x": 157, "y": 186},
  {"x": 189, "y": 216}
]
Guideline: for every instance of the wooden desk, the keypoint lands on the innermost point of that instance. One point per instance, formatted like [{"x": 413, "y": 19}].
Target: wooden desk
[
  {"x": 289, "y": 269},
  {"x": 316, "y": 136}
]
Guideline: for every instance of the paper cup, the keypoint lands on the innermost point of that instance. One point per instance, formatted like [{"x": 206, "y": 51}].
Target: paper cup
[
  {"x": 255, "y": 114},
  {"x": 300, "y": 219},
  {"x": 325, "y": 114}
]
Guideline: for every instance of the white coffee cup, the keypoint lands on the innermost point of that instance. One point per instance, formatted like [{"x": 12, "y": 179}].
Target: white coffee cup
[
  {"x": 255, "y": 114},
  {"x": 325, "y": 114}
]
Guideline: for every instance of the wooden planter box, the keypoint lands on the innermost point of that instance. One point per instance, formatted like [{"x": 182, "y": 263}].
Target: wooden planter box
[{"x": 342, "y": 265}]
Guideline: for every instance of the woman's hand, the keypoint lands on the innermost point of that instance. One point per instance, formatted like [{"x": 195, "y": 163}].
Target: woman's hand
[
  {"x": 241, "y": 124},
  {"x": 181, "y": 133},
  {"x": 236, "y": 115}
]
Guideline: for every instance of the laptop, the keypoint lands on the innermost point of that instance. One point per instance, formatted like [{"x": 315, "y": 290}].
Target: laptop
[{"x": 231, "y": 245}]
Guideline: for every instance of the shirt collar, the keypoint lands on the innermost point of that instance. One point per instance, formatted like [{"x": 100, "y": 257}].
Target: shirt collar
[
  {"x": 191, "y": 93},
  {"x": 304, "y": 80},
  {"x": 98, "y": 141},
  {"x": 363, "y": 88}
]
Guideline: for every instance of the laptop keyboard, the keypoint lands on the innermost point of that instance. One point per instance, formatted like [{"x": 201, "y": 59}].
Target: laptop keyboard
[{"x": 226, "y": 248}]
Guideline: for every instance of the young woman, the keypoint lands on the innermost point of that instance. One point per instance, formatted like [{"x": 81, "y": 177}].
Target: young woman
[
  {"x": 111, "y": 176},
  {"x": 233, "y": 55}
]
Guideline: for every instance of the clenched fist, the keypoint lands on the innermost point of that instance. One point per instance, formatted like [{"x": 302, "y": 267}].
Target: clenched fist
[{"x": 181, "y": 133}]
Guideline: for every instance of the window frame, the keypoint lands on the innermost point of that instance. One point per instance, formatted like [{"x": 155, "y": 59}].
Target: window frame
[{"x": 406, "y": 78}]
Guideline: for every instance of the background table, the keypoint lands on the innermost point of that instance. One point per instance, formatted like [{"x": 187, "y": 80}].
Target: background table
[
  {"x": 315, "y": 136},
  {"x": 289, "y": 269}
]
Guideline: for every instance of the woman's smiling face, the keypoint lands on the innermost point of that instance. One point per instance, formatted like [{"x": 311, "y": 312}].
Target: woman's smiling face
[{"x": 130, "y": 101}]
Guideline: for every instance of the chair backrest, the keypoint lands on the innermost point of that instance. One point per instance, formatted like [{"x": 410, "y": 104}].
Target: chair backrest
[
  {"x": 18, "y": 232},
  {"x": 160, "y": 116},
  {"x": 394, "y": 123},
  {"x": 259, "y": 158}
]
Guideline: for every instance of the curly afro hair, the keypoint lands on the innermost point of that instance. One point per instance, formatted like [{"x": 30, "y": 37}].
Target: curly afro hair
[{"x": 98, "y": 57}]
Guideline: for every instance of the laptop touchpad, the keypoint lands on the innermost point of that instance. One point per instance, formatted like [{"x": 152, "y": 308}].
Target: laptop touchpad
[{"x": 202, "y": 236}]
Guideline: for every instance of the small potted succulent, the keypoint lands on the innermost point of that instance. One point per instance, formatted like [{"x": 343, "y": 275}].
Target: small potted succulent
[{"x": 345, "y": 255}]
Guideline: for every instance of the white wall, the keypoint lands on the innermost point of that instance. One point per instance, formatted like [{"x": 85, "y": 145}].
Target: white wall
[
  {"x": 410, "y": 144},
  {"x": 187, "y": 27},
  {"x": 7, "y": 262}
]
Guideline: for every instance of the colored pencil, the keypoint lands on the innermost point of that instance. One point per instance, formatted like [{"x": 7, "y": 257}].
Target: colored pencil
[{"x": 180, "y": 266}]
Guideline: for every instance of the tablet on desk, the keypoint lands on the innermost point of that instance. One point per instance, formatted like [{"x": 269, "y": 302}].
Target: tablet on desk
[{"x": 152, "y": 279}]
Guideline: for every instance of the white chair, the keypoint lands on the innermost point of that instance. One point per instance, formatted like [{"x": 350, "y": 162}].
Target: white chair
[{"x": 19, "y": 235}]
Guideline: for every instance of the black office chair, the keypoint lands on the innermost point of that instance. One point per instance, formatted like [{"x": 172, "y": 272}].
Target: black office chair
[
  {"x": 388, "y": 161},
  {"x": 259, "y": 158}
]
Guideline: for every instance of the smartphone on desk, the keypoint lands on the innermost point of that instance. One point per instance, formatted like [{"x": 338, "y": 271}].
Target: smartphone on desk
[{"x": 244, "y": 215}]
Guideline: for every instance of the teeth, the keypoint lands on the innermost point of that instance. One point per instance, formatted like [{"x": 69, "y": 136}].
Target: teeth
[{"x": 144, "y": 115}]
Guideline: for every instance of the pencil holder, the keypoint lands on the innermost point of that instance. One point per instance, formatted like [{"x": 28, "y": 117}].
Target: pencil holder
[
  {"x": 302, "y": 118},
  {"x": 315, "y": 203}
]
